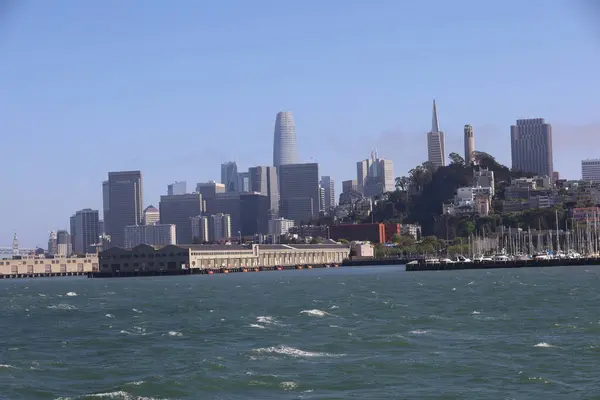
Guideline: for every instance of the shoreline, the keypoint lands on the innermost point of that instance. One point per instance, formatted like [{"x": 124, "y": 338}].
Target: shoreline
[{"x": 556, "y": 262}]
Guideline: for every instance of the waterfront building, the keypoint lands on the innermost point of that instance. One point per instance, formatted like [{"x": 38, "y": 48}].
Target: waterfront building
[
  {"x": 280, "y": 226},
  {"x": 436, "y": 142},
  {"x": 177, "y": 188},
  {"x": 170, "y": 258},
  {"x": 590, "y": 170},
  {"x": 151, "y": 215},
  {"x": 531, "y": 146},
  {"x": 123, "y": 206},
  {"x": 55, "y": 264},
  {"x": 328, "y": 186},
  {"x": 219, "y": 227},
  {"x": 229, "y": 176},
  {"x": 284, "y": 144},
  {"x": 64, "y": 245},
  {"x": 299, "y": 191},
  {"x": 177, "y": 210},
  {"x": 85, "y": 231},
  {"x": 153, "y": 235},
  {"x": 200, "y": 229},
  {"x": 254, "y": 214},
  {"x": 263, "y": 179},
  {"x": 469, "y": 144}
]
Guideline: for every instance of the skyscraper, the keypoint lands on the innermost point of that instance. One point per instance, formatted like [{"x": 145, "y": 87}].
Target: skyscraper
[
  {"x": 590, "y": 170},
  {"x": 229, "y": 176},
  {"x": 299, "y": 191},
  {"x": 284, "y": 144},
  {"x": 531, "y": 146},
  {"x": 178, "y": 210},
  {"x": 85, "y": 231},
  {"x": 362, "y": 171},
  {"x": 436, "y": 144},
  {"x": 125, "y": 204},
  {"x": 177, "y": 188},
  {"x": 377, "y": 175},
  {"x": 263, "y": 179},
  {"x": 469, "y": 144},
  {"x": 329, "y": 187}
]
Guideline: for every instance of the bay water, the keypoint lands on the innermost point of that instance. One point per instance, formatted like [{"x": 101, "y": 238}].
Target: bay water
[{"x": 343, "y": 333}]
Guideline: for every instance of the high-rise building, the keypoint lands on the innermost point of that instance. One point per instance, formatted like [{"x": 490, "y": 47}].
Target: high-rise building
[
  {"x": 350, "y": 186},
  {"x": 209, "y": 190},
  {"x": 243, "y": 179},
  {"x": 177, "y": 210},
  {"x": 52, "y": 243},
  {"x": 263, "y": 179},
  {"x": 152, "y": 235},
  {"x": 436, "y": 143},
  {"x": 469, "y": 144},
  {"x": 531, "y": 146},
  {"x": 124, "y": 202},
  {"x": 362, "y": 172},
  {"x": 219, "y": 227},
  {"x": 280, "y": 226},
  {"x": 299, "y": 191},
  {"x": 284, "y": 144},
  {"x": 379, "y": 177},
  {"x": 321, "y": 199},
  {"x": 177, "y": 188},
  {"x": 328, "y": 186},
  {"x": 105, "y": 202},
  {"x": 64, "y": 246},
  {"x": 229, "y": 176},
  {"x": 590, "y": 170},
  {"x": 254, "y": 213},
  {"x": 151, "y": 215},
  {"x": 85, "y": 231},
  {"x": 226, "y": 203},
  {"x": 200, "y": 230}
]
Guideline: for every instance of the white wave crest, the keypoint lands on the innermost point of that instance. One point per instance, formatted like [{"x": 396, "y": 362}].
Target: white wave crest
[
  {"x": 293, "y": 352},
  {"x": 475, "y": 313},
  {"x": 135, "y": 310},
  {"x": 71, "y": 294},
  {"x": 257, "y": 326},
  {"x": 266, "y": 320},
  {"x": 62, "y": 307},
  {"x": 135, "y": 331},
  {"x": 7, "y": 366},
  {"x": 121, "y": 395},
  {"x": 314, "y": 313},
  {"x": 543, "y": 344},
  {"x": 290, "y": 385},
  {"x": 109, "y": 316},
  {"x": 175, "y": 333},
  {"x": 334, "y": 307},
  {"x": 418, "y": 332}
]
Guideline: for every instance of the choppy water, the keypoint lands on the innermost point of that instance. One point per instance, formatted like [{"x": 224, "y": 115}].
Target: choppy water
[{"x": 368, "y": 333}]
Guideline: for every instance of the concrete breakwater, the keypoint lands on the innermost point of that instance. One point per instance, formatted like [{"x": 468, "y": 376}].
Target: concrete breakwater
[
  {"x": 556, "y": 262},
  {"x": 202, "y": 271}
]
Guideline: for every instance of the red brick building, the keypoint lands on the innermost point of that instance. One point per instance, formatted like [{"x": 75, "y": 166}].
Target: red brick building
[{"x": 375, "y": 233}]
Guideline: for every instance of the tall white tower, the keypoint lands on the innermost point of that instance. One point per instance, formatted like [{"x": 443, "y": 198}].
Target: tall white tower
[
  {"x": 285, "y": 150},
  {"x": 469, "y": 144}
]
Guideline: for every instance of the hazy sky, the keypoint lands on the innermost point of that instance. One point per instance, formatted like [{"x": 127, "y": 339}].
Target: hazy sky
[{"x": 174, "y": 88}]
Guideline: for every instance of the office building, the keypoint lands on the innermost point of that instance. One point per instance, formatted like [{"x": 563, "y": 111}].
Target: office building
[
  {"x": 226, "y": 203},
  {"x": 209, "y": 190},
  {"x": 52, "y": 243},
  {"x": 177, "y": 188},
  {"x": 229, "y": 176},
  {"x": 85, "y": 231},
  {"x": 64, "y": 245},
  {"x": 590, "y": 170},
  {"x": 152, "y": 235},
  {"x": 350, "y": 186},
  {"x": 177, "y": 210},
  {"x": 321, "y": 199},
  {"x": 299, "y": 191},
  {"x": 219, "y": 227},
  {"x": 254, "y": 214},
  {"x": 362, "y": 172},
  {"x": 243, "y": 179},
  {"x": 263, "y": 179},
  {"x": 328, "y": 186},
  {"x": 105, "y": 202},
  {"x": 378, "y": 178},
  {"x": 531, "y": 146},
  {"x": 200, "y": 229},
  {"x": 284, "y": 144},
  {"x": 151, "y": 215},
  {"x": 436, "y": 143},
  {"x": 469, "y": 144},
  {"x": 280, "y": 226},
  {"x": 124, "y": 202}
]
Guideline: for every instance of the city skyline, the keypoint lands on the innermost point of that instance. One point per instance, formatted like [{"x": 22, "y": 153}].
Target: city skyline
[{"x": 342, "y": 105}]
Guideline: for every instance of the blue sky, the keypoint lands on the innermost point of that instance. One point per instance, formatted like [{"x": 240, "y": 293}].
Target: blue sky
[{"x": 174, "y": 88}]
